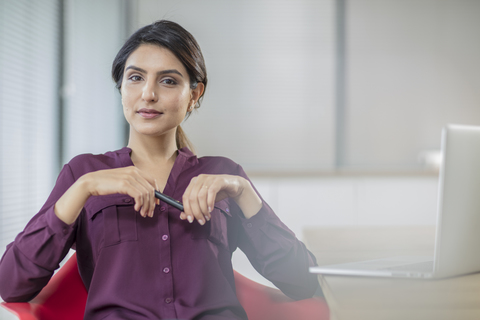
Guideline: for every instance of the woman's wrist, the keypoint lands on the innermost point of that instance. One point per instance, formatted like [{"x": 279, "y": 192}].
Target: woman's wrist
[
  {"x": 70, "y": 204},
  {"x": 248, "y": 200}
]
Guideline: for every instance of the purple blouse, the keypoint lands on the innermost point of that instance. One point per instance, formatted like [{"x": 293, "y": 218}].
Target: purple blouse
[{"x": 160, "y": 267}]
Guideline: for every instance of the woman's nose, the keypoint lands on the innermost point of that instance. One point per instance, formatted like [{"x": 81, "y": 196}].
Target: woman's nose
[{"x": 149, "y": 93}]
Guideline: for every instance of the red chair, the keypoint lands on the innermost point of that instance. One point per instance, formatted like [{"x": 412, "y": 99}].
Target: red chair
[
  {"x": 53, "y": 302},
  {"x": 265, "y": 303},
  {"x": 260, "y": 302}
]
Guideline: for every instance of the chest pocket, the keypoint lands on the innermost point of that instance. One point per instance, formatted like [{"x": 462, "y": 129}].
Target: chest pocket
[
  {"x": 113, "y": 219},
  {"x": 215, "y": 230}
]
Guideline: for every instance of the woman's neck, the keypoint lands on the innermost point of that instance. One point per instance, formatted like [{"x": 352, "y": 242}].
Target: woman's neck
[{"x": 152, "y": 150}]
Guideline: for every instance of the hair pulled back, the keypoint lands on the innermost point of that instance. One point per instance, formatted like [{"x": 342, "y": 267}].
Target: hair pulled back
[{"x": 181, "y": 43}]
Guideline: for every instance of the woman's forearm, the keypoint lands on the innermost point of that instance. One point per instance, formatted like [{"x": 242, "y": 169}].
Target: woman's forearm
[
  {"x": 70, "y": 204},
  {"x": 248, "y": 201}
]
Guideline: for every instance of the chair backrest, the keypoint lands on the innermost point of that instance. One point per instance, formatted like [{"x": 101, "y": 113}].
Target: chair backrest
[
  {"x": 65, "y": 296},
  {"x": 265, "y": 303}
]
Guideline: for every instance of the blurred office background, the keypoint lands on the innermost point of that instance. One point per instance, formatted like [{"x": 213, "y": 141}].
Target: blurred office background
[{"x": 333, "y": 107}]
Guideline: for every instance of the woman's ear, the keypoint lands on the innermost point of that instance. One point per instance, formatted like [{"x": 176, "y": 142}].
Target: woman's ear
[{"x": 197, "y": 93}]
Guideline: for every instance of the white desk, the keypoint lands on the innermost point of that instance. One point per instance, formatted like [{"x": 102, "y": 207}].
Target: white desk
[{"x": 362, "y": 298}]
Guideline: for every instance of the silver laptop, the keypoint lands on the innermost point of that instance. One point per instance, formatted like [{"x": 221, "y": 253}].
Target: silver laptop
[{"x": 457, "y": 236}]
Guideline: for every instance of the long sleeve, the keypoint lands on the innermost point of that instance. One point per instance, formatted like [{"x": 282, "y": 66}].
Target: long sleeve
[
  {"x": 29, "y": 261},
  {"x": 276, "y": 253}
]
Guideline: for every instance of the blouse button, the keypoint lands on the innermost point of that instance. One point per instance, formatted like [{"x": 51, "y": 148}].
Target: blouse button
[
  {"x": 227, "y": 210},
  {"x": 249, "y": 225},
  {"x": 168, "y": 300},
  {"x": 127, "y": 200},
  {"x": 162, "y": 209},
  {"x": 165, "y": 237},
  {"x": 166, "y": 270},
  {"x": 65, "y": 230}
]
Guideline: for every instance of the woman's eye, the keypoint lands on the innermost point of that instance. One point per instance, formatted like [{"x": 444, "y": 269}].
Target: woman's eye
[
  {"x": 169, "y": 82},
  {"x": 135, "y": 78}
]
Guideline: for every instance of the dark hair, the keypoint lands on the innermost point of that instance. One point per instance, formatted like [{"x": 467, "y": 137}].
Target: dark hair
[{"x": 180, "y": 42}]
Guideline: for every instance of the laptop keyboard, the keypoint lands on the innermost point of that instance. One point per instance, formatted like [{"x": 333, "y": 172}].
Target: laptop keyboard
[{"x": 426, "y": 266}]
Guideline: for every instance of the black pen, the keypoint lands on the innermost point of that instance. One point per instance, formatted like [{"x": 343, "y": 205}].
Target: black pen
[{"x": 169, "y": 200}]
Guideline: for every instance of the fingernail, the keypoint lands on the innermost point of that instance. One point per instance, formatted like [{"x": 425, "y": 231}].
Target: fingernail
[
  {"x": 190, "y": 219},
  {"x": 209, "y": 209},
  {"x": 201, "y": 222},
  {"x": 207, "y": 218},
  {"x": 182, "y": 217}
]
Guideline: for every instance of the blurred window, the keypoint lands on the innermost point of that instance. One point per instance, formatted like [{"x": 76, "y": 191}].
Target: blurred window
[{"x": 29, "y": 54}]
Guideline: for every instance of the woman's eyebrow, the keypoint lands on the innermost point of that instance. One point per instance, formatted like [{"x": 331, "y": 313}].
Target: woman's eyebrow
[{"x": 159, "y": 73}]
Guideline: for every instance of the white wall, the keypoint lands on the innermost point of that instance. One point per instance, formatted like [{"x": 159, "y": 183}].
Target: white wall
[
  {"x": 412, "y": 67},
  {"x": 351, "y": 200},
  {"x": 270, "y": 65}
]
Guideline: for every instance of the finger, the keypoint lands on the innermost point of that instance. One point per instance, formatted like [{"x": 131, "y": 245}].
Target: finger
[
  {"x": 148, "y": 194},
  {"x": 190, "y": 201},
  {"x": 203, "y": 195},
  {"x": 145, "y": 202},
  {"x": 141, "y": 197},
  {"x": 136, "y": 194},
  {"x": 144, "y": 210},
  {"x": 151, "y": 201},
  {"x": 195, "y": 211},
  {"x": 187, "y": 211},
  {"x": 212, "y": 194},
  {"x": 150, "y": 210},
  {"x": 130, "y": 186},
  {"x": 197, "y": 200}
]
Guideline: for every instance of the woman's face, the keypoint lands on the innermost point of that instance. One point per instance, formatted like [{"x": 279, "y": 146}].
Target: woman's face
[{"x": 156, "y": 91}]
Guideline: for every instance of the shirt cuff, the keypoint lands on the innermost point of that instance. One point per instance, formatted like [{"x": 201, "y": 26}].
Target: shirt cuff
[
  {"x": 56, "y": 225},
  {"x": 258, "y": 221}
]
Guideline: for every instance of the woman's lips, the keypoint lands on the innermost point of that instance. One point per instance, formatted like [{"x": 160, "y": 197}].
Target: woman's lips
[{"x": 149, "y": 113}]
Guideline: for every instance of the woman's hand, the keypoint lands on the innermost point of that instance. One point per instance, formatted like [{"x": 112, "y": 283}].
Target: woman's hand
[
  {"x": 127, "y": 180},
  {"x": 204, "y": 190}
]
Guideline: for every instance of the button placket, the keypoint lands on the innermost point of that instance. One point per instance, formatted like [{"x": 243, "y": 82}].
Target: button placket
[{"x": 165, "y": 256}]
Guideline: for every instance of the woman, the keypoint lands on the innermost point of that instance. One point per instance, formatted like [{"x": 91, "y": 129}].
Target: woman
[{"x": 140, "y": 258}]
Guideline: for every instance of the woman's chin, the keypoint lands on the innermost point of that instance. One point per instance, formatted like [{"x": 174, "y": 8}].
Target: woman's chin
[{"x": 153, "y": 132}]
